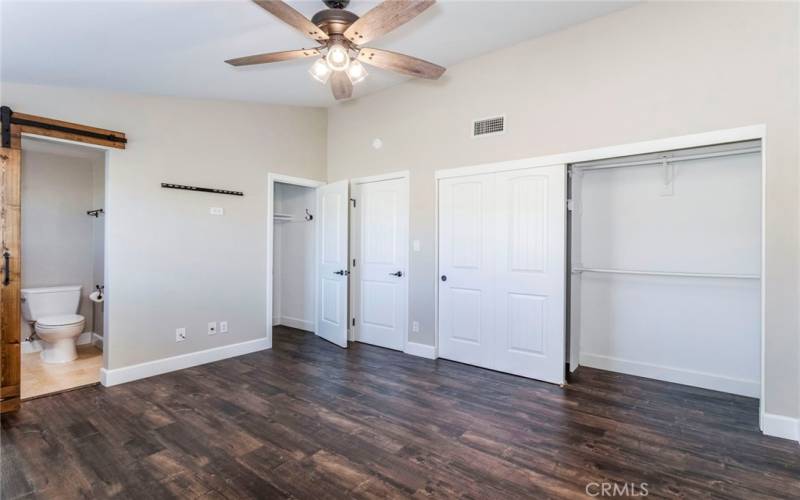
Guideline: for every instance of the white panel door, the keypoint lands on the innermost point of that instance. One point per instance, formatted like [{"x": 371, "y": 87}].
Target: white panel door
[
  {"x": 530, "y": 277},
  {"x": 381, "y": 217},
  {"x": 466, "y": 269},
  {"x": 332, "y": 270}
]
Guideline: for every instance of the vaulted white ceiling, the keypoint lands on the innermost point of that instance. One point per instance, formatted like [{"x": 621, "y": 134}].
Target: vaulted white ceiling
[{"x": 177, "y": 47}]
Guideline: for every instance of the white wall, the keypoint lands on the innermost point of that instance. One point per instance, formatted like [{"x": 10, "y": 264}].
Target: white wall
[
  {"x": 652, "y": 71},
  {"x": 56, "y": 232},
  {"x": 294, "y": 267},
  {"x": 170, "y": 263}
]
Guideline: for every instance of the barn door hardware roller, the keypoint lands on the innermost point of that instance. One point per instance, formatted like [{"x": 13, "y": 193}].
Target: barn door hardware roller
[{"x": 8, "y": 119}]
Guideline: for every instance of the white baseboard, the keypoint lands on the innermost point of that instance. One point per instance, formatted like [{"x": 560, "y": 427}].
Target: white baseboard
[
  {"x": 97, "y": 340},
  {"x": 300, "y": 324},
  {"x": 780, "y": 426},
  {"x": 750, "y": 388},
  {"x": 165, "y": 365},
  {"x": 421, "y": 350}
]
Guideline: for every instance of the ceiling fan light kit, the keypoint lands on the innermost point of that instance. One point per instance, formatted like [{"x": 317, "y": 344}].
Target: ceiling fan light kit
[{"x": 342, "y": 34}]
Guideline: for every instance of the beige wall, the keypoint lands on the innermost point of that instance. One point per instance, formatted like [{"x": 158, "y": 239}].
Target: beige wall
[
  {"x": 653, "y": 71},
  {"x": 170, "y": 263},
  {"x": 56, "y": 232}
]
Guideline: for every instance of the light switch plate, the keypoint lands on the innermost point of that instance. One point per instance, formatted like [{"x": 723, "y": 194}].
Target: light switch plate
[
  {"x": 216, "y": 211},
  {"x": 180, "y": 334},
  {"x": 417, "y": 245},
  {"x": 212, "y": 328}
]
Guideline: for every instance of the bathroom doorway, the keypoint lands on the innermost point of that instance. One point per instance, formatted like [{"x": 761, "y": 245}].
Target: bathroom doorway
[{"x": 62, "y": 248}]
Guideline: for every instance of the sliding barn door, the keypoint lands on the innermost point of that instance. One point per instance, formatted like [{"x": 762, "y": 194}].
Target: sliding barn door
[
  {"x": 530, "y": 277},
  {"x": 466, "y": 269},
  {"x": 332, "y": 268},
  {"x": 502, "y": 271},
  {"x": 10, "y": 171}
]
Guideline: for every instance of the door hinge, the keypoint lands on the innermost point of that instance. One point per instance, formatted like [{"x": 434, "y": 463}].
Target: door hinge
[
  {"x": 354, "y": 202},
  {"x": 570, "y": 205},
  {"x": 354, "y": 262}
]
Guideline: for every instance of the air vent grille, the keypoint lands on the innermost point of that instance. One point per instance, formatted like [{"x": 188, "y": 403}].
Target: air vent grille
[{"x": 489, "y": 126}]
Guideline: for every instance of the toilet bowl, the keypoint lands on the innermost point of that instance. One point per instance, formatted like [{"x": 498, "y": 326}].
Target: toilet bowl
[
  {"x": 52, "y": 313},
  {"x": 59, "y": 335}
]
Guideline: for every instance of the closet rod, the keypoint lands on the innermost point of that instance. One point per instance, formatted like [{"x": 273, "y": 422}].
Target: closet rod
[
  {"x": 665, "y": 273},
  {"x": 671, "y": 159}
]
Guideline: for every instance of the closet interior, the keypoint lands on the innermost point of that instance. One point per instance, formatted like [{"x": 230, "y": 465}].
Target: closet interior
[
  {"x": 293, "y": 256},
  {"x": 665, "y": 266}
]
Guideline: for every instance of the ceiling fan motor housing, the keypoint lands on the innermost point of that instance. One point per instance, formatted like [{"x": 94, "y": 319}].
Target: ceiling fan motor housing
[
  {"x": 336, "y": 4},
  {"x": 334, "y": 21}
]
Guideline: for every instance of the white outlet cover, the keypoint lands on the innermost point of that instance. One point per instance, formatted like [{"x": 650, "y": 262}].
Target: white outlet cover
[
  {"x": 223, "y": 327},
  {"x": 212, "y": 328},
  {"x": 415, "y": 326},
  {"x": 216, "y": 211}
]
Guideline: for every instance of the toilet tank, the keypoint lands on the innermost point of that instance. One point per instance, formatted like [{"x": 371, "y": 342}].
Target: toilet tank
[{"x": 51, "y": 301}]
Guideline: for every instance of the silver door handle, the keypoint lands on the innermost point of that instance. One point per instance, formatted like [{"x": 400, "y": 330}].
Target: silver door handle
[{"x": 399, "y": 274}]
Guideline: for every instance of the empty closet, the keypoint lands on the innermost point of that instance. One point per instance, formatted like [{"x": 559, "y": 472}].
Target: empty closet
[
  {"x": 666, "y": 266},
  {"x": 293, "y": 266},
  {"x": 501, "y": 270}
]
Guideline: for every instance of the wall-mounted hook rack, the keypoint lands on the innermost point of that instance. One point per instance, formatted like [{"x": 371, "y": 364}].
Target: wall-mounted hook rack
[{"x": 95, "y": 213}]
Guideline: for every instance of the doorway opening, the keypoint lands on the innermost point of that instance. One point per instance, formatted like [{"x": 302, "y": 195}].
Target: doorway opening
[{"x": 62, "y": 282}]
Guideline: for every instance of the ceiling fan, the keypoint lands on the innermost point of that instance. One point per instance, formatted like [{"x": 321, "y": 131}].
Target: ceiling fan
[{"x": 342, "y": 35}]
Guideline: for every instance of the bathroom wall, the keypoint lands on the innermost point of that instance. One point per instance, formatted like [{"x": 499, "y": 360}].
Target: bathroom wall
[{"x": 57, "y": 236}]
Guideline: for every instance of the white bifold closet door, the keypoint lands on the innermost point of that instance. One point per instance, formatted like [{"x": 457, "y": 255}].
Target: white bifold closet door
[
  {"x": 332, "y": 268},
  {"x": 502, "y": 271}
]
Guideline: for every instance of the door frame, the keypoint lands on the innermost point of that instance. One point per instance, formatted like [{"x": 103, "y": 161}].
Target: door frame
[
  {"x": 355, "y": 252},
  {"x": 710, "y": 138},
  {"x": 14, "y": 126},
  {"x": 272, "y": 178}
]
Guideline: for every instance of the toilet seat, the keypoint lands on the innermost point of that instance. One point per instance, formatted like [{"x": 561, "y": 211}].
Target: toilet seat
[{"x": 60, "y": 321}]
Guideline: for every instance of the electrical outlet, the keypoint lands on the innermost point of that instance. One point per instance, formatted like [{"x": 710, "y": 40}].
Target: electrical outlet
[
  {"x": 212, "y": 328},
  {"x": 415, "y": 326},
  {"x": 216, "y": 211},
  {"x": 223, "y": 327},
  {"x": 180, "y": 334}
]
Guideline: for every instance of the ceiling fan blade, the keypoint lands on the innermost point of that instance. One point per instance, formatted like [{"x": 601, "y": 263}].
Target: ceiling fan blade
[
  {"x": 401, "y": 63},
  {"x": 287, "y": 14},
  {"x": 271, "y": 57},
  {"x": 384, "y": 18},
  {"x": 341, "y": 86}
]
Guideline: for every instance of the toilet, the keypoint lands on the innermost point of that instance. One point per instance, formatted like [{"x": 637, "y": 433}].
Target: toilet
[{"x": 52, "y": 311}]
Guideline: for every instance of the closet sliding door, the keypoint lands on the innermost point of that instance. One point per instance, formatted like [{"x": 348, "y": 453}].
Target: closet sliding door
[{"x": 502, "y": 274}]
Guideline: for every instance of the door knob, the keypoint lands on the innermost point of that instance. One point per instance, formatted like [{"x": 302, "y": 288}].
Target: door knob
[
  {"x": 399, "y": 274},
  {"x": 444, "y": 278},
  {"x": 341, "y": 272}
]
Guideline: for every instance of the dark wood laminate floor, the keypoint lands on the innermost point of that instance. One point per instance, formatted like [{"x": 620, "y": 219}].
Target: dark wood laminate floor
[{"x": 310, "y": 420}]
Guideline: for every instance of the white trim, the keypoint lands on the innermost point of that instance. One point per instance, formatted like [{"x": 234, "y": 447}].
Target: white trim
[
  {"x": 272, "y": 178},
  {"x": 355, "y": 248},
  {"x": 636, "y": 148},
  {"x": 421, "y": 350},
  {"x": 404, "y": 174},
  {"x": 715, "y": 137},
  {"x": 782, "y": 427},
  {"x": 300, "y": 324},
  {"x": 743, "y": 387},
  {"x": 143, "y": 370}
]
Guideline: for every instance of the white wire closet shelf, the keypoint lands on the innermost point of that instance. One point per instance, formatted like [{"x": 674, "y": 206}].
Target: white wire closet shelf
[{"x": 578, "y": 270}]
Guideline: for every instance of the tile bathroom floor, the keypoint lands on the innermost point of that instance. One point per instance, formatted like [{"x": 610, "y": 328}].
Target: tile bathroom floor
[{"x": 40, "y": 378}]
